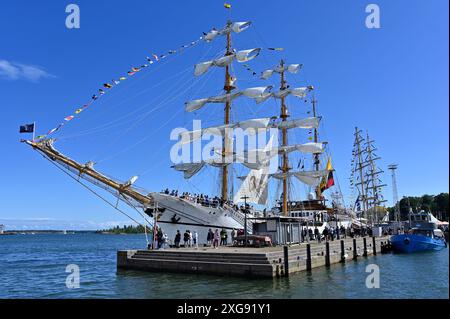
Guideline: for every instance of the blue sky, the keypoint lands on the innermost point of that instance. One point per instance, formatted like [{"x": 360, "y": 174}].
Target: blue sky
[{"x": 391, "y": 81}]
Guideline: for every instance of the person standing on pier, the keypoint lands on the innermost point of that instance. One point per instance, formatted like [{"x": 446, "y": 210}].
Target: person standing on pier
[
  {"x": 177, "y": 239},
  {"x": 195, "y": 239},
  {"x": 190, "y": 238},
  {"x": 210, "y": 237},
  {"x": 186, "y": 238},
  {"x": 317, "y": 234},
  {"x": 233, "y": 235},
  {"x": 223, "y": 234}
]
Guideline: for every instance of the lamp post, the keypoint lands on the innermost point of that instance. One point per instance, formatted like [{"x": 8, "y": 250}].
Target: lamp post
[{"x": 245, "y": 219}]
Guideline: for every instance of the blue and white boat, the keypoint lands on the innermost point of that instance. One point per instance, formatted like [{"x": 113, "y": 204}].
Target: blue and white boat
[{"x": 423, "y": 235}]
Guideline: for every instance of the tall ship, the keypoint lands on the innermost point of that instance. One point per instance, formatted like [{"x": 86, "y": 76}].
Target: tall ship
[
  {"x": 276, "y": 167},
  {"x": 366, "y": 182}
]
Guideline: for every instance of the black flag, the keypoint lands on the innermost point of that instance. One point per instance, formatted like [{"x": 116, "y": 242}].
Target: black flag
[{"x": 27, "y": 128}]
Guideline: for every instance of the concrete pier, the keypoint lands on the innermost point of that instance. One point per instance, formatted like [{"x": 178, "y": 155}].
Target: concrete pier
[{"x": 249, "y": 262}]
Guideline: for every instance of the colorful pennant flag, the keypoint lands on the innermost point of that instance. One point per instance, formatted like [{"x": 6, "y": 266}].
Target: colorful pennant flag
[{"x": 116, "y": 82}]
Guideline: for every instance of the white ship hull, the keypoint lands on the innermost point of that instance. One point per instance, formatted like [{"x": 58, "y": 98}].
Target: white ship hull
[{"x": 182, "y": 214}]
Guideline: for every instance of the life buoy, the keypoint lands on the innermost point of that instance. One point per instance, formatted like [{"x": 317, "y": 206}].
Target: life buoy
[{"x": 406, "y": 241}]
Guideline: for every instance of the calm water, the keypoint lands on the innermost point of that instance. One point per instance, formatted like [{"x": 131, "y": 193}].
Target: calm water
[{"x": 33, "y": 266}]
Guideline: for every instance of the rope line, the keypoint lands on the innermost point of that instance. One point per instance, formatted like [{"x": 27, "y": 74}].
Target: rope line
[{"x": 96, "y": 194}]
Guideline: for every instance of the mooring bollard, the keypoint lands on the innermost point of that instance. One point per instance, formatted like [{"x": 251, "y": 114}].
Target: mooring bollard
[
  {"x": 342, "y": 252},
  {"x": 308, "y": 256},
  {"x": 286, "y": 261},
  {"x": 355, "y": 253},
  {"x": 374, "y": 244},
  {"x": 327, "y": 254},
  {"x": 365, "y": 247}
]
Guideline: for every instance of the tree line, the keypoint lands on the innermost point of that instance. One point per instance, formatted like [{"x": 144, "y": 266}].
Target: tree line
[
  {"x": 438, "y": 205},
  {"x": 130, "y": 229}
]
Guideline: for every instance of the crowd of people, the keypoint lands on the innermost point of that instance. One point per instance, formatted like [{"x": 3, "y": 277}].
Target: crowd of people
[
  {"x": 331, "y": 233},
  {"x": 190, "y": 239},
  {"x": 161, "y": 240},
  {"x": 205, "y": 200}
]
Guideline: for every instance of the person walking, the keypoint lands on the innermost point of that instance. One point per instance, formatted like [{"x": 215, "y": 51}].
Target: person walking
[{"x": 216, "y": 239}]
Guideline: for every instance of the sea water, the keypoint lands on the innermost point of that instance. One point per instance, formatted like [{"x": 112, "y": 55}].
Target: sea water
[{"x": 34, "y": 266}]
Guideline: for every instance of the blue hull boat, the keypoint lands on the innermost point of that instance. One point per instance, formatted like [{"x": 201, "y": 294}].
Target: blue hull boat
[
  {"x": 409, "y": 243},
  {"x": 423, "y": 235}
]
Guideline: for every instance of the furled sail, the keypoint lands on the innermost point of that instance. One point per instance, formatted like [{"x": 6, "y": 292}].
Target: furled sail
[
  {"x": 235, "y": 27},
  {"x": 252, "y": 126},
  {"x": 291, "y": 68},
  {"x": 240, "y": 56},
  {"x": 254, "y": 93},
  {"x": 311, "y": 178},
  {"x": 298, "y": 92},
  {"x": 306, "y": 123},
  {"x": 308, "y": 148},
  {"x": 189, "y": 169}
]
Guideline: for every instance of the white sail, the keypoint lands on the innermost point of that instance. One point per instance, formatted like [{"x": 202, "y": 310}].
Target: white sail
[
  {"x": 311, "y": 178},
  {"x": 254, "y": 187},
  {"x": 308, "y": 148},
  {"x": 254, "y": 93},
  {"x": 252, "y": 126},
  {"x": 255, "y": 184},
  {"x": 240, "y": 56},
  {"x": 298, "y": 92},
  {"x": 291, "y": 68},
  {"x": 189, "y": 169},
  {"x": 236, "y": 27},
  {"x": 306, "y": 123}
]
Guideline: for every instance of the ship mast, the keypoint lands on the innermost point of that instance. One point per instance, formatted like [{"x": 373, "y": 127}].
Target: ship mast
[
  {"x": 316, "y": 155},
  {"x": 373, "y": 186},
  {"x": 226, "y": 141},
  {"x": 285, "y": 165},
  {"x": 359, "y": 166}
]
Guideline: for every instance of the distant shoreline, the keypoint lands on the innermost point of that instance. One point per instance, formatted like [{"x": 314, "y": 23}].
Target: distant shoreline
[{"x": 68, "y": 232}]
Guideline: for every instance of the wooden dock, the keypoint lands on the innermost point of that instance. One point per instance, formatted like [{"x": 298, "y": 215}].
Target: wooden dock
[{"x": 251, "y": 262}]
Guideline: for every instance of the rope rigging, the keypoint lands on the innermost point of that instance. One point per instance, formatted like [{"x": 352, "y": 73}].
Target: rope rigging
[{"x": 100, "y": 196}]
